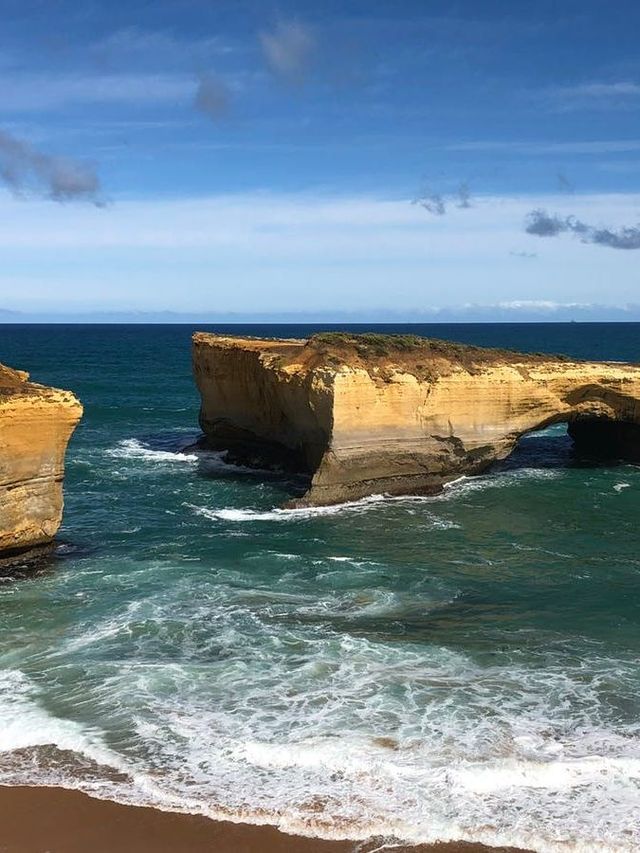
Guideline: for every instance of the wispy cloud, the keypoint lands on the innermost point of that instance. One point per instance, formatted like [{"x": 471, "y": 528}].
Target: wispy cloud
[
  {"x": 541, "y": 224},
  {"x": 531, "y": 147},
  {"x": 437, "y": 204},
  {"x": 590, "y": 96},
  {"x": 212, "y": 96},
  {"x": 48, "y": 92},
  {"x": 27, "y": 171},
  {"x": 288, "y": 50},
  {"x": 463, "y": 196},
  {"x": 159, "y": 48},
  {"x": 564, "y": 184},
  {"x": 432, "y": 203}
]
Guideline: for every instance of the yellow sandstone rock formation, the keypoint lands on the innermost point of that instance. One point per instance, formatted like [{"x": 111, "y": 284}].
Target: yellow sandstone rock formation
[
  {"x": 375, "y": 414},
  {"x": 36, "y": 423}
]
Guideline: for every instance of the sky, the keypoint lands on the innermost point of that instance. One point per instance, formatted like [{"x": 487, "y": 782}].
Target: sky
[{"x": 407, "y": 159}]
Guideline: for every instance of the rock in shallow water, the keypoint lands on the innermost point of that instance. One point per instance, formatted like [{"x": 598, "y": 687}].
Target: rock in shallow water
[{"x": 36, "y": 423}]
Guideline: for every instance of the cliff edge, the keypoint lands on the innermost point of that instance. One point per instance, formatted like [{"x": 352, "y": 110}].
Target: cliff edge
[
  {"x": 370, "y": 414},
  {"x": 36, "y": 423}
]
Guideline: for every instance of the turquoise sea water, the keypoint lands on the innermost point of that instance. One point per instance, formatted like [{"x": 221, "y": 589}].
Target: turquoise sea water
[{"x": 464, "y": 666}]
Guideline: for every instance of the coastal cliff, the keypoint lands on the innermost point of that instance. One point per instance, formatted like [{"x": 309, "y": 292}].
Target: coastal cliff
[
  {"x": 369, "y": 414},
  {"x": 36, "y": 423}
]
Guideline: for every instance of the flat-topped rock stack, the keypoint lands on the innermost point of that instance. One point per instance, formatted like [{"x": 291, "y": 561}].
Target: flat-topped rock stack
[
  {"x": 371, "y": 414},
  {"x": 36, "y": 423}
]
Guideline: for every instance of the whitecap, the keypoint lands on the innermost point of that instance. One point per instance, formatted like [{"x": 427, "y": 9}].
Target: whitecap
[
  {"x": 132, "y": 448},
  {"x": 278, "y": 514},
  {"x": 234, "y": 514},
  {"x": 209, "y": 461},
  {"x": 24, "y": 723}
]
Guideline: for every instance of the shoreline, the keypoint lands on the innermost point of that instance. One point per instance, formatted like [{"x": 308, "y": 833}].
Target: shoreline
[{"x": 59, "y": 820}]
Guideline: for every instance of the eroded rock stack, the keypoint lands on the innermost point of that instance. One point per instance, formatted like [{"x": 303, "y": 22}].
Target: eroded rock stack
[{"x": 36, "y": 423}]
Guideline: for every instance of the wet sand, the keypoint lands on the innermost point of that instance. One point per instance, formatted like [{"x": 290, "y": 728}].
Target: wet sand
[{"x": 53, "y": 820}]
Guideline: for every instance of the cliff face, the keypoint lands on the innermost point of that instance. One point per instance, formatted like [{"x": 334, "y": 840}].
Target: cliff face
[
  {"x": 36, "y": 423},
  {"x": 375, "y": 414}
]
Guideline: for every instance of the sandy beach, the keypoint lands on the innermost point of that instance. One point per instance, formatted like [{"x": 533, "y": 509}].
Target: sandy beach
[{"x": 54, "y": 820}]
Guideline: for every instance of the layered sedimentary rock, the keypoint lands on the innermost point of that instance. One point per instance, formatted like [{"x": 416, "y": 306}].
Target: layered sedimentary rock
[
  {"x": 36, "y": 423},
  {"x": 383, "y": 414}
]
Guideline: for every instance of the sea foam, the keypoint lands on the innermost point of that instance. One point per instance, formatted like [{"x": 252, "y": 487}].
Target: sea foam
[{"x": 133, "y": 448}]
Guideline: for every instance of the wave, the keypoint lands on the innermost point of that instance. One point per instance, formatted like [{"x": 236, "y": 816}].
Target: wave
[
  {"x": 209, "y": 461},
  {"x": 133, "y": 448},
  {"x": 234, "y": 514},
  {"x": 459, "y": 487},
  {"x": 477, "y": 765},
  {"x": 254, "y": 704},
  {"x": 277, "y": 514},
  {"x": 24, "y": 724},
  {"x": 464, "y": 485}
]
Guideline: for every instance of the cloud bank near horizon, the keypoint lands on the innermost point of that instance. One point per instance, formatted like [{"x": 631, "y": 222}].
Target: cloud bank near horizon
[
  {"x": 281, "y": 252},
  {"x": 517, "y": 311}
]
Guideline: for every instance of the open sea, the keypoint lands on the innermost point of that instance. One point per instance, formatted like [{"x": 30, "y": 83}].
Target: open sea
[{"x": 465, "y": 666}]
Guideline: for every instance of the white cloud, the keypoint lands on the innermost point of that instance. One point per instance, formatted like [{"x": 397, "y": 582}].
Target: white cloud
[{"x": 545, "y": 305}]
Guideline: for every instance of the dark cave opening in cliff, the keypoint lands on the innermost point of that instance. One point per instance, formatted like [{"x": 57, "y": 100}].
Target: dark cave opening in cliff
[
  {"x": 550, "y": 447},
  {"x": 573, "y": 444}
]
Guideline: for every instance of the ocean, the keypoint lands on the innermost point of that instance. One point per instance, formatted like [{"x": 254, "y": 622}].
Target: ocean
[{"x": 464, "y": 666}]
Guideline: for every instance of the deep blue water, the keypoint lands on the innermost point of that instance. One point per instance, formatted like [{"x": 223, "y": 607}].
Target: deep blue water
[{"x": 464, "y": 666}]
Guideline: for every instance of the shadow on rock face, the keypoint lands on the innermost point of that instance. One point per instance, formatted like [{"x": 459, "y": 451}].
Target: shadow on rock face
[{"x": 231, "y": 463}]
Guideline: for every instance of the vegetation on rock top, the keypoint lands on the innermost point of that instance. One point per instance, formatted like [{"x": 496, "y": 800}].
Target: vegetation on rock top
[{"x": 425, "y": 356}]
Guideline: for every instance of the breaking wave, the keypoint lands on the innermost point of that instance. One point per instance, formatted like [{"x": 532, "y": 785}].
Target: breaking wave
[
  {"x": 361, "y": 741},
  {"x": 179, "y": 452},
  {"x": 133, "y": 448},
  {"x": 234, "y": 514}
]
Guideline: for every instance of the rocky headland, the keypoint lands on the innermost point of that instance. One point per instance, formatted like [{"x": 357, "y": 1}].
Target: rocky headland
[
  {"x": 370, "y": 414},
  {"x": 36, "y": 423}
]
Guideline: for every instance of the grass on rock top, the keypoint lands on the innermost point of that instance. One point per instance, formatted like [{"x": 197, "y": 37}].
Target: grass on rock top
[{"x": 413, "y": 350}]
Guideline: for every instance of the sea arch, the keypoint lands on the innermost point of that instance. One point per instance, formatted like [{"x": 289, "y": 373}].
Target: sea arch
[{"x": 364, "y": 415}]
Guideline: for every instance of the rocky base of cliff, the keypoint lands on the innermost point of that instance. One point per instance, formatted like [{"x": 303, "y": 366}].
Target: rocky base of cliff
[
  {"x": 26, "y": 561},
  {"x": 249, "y": 451}
]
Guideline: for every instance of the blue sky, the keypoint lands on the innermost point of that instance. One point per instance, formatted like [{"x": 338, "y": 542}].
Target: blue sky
[{"x": 253, "y": 157}]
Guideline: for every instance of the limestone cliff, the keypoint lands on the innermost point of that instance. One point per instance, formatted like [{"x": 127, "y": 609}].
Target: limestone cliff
[
  {"x": 36, "y": 423},
  {"x": 397, "y": 414}
]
